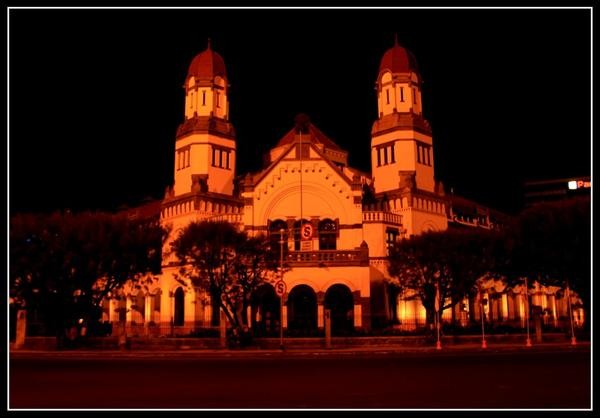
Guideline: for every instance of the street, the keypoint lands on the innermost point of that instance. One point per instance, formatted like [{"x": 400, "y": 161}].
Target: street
[{"x": 467, "y": 379}]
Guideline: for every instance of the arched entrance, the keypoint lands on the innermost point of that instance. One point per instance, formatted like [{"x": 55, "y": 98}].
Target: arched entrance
[
  {"x": 302, "y": 310},
  {"x": 178, "y": 311},
  {"x": 338, "y": 299},
  {"x": 265, "y": 311}
]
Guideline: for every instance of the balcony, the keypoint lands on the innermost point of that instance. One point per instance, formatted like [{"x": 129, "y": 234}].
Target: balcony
[
  {"x": 328, "y": 258},
  {"x": 382, "y": 217}
]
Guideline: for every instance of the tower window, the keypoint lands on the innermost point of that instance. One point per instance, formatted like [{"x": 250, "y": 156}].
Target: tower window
[
  {"x": 401, "y": 94},
  {"x": 385, "y": 154},
  {"x": 414, "y": 96},
  {"x": 424, "y": 154},
  {"x": 218, "y": 99},
  {"x": 203, "y": 98},
  {"x": 387, "y": 94},
  {"x": 220, "y": 158}
]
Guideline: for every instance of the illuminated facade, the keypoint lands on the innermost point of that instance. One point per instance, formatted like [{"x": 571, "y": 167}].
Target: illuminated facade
[{"x": 354, "y": 216}]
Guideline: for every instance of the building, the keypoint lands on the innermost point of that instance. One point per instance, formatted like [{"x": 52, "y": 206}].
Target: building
[
  {"x": 350, "y": 217},
  {"x": 552, "y": 190}
]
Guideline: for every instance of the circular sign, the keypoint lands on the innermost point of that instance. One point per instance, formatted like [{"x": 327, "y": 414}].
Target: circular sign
[
  {"x": 280, "y": 287},
  {"x": 306, "y": 231}
]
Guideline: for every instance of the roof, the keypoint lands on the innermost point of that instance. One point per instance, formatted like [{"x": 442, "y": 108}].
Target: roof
[
  {"x": 207, "y": 64},
  {"x": 398, "y": 59},
  {"x": 313, "y": 134}
]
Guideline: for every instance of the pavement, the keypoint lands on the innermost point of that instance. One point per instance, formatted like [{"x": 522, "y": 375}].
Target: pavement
[{"x": 454, "y": 349}]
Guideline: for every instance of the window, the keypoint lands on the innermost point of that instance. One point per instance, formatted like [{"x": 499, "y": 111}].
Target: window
[
  {"x": 183, "y": 158},
  {"x": 414, "y": 91},
  {"x": 220, "y": 158},
  {"x": 385, "y": 154},
  {"x": 387, "y": 94},
  {"x": 203, "y": 97},
  {"x": 401, "y": 94},
  {"x": 217, "y": 99},
  {"x": 327, "y": 235},
  {"x": 424, "y": 154},
  {"x": 275, "y": 228},
  {"x": 391, "y": 238}
]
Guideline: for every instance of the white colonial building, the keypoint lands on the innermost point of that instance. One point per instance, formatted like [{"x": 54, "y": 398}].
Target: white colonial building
[{"x": 353, "y": 216}]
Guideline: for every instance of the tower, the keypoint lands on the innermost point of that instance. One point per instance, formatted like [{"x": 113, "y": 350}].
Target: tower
[
  {"x": 402, "y": 147},
  {"x": 205, "y": 148},
  {"x": 401, "y": 142}
]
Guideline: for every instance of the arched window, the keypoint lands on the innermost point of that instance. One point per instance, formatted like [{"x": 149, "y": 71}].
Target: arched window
[
  {"x": 275, "y": 228},
  {"x": 327, "y": 235},
  {"x": 179, "y": 312}
]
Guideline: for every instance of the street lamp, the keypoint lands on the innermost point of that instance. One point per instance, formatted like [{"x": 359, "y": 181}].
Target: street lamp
[
  {"x": 528, "y": 341},
  {"x": 281, "y": 231},
  {"x": 438, "y": 344},
  {"x": 573, "y": 339},
  {"x": 482, "y": 315}
]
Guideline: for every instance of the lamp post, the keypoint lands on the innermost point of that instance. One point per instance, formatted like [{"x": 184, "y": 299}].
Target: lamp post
[
  {"x": 573, "y": 339},
  {"x": 482, "y": 314},
  {"x": 528, "y": 341},
  {"x": 438, "y": 344},
  {"x": 281, "y": 231}
]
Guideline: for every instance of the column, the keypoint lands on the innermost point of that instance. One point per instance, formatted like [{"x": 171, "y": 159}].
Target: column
[
  {"x": 357, "y": 315},
  {"x": 284, "y": 317},
  {"x": 113, "y": 313},
  {"x": 128, "y": 310},
  {"x": 320, "y": 322}
]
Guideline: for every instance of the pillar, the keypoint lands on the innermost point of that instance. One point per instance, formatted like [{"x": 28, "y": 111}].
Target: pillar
[
  {"x": 357, "y": 315},
  {"x": 320, "y": 312},
  {"x": 21, "y": 328},
  {"x": 284, "y": 319}
]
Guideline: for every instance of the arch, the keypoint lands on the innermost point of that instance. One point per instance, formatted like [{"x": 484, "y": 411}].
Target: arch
[
  {"x": 338, "y": 298},
  {"x": 265, "y": 310},
  {"x": 327, "y": 235},
  {"x": 179, "y": 308},
  {"x": 330, "y": 204},
  {"x": 302, "y": 310}
]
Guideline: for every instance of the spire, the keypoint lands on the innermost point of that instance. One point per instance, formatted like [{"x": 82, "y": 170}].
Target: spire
[
  {"x": 396, "y": 39},
  {"x": 208, "y": 44}
]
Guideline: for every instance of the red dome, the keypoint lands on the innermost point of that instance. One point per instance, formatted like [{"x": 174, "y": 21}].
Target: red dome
[
  {"x": 398, "y": 60},
  {"x": 207, "y": 64}
]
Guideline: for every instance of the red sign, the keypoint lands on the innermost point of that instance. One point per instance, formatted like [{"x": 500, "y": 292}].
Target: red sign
[
  {"x": 306, "y": 232},
  {"x": 280, "y": 287}
]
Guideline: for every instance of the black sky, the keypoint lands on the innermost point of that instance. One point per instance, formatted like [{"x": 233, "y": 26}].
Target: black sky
[{"x": 96, "y": 95}]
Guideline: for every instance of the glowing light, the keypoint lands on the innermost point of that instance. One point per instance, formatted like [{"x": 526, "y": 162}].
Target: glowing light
[{"x": 572, "y": 185}]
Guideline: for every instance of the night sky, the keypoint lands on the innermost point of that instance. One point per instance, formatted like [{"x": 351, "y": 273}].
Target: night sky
[{"x": 96, "y": 95}]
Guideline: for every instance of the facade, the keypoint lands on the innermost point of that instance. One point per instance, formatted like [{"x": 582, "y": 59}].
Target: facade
[{"x": 336, "y": 222}]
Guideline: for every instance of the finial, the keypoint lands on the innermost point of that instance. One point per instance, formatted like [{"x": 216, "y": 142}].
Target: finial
[
  {"x": 208, "y": 44},
  {"x": 396, "y": 39}
]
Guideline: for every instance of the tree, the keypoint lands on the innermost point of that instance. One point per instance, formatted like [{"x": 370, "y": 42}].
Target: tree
[
  {"x": 454, "y": 259},
  {"x": 226, "y": 263},
  {"x": 551, "y": 243},
  {"x": 64, "y": 264}
]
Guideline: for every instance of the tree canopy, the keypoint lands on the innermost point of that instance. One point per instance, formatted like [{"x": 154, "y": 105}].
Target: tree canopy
[
  {"x": 455, "y": 259},
  {"x": 64, "y": 264},
  {"x": 225, "y": 262}
]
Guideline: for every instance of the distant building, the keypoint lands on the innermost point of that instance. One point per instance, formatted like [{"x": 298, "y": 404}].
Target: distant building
[
  {"x": 552, "y": 190},
  {"x": 352, "y": 217}
]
